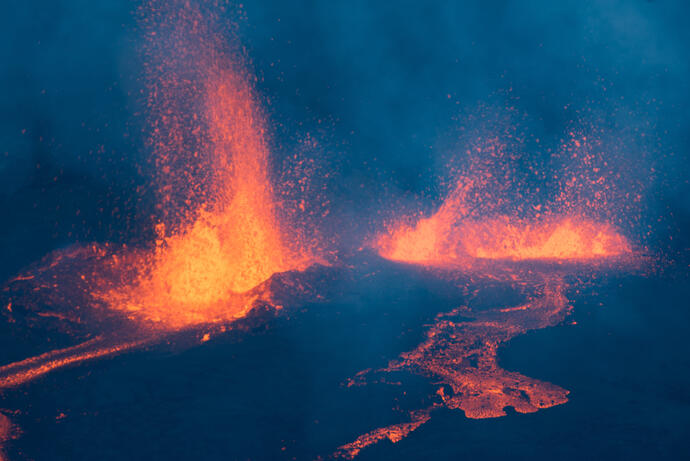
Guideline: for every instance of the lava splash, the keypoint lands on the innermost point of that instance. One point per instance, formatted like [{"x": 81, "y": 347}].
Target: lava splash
[{"x": 562, "y": 210}]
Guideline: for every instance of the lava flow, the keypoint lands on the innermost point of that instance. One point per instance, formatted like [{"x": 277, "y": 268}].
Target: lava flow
[{"x": 459, "y": 355}]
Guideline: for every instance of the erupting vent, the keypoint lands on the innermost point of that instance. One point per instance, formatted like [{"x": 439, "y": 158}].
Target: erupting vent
[
  {"x": 444, "y": 241},
  {"x": 489, "y": 214},
  {"x": 220, "y": 235}
]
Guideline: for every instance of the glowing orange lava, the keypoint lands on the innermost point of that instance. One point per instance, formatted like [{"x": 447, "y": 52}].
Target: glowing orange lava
[
  {"x": 236, "y": 240},
  {"x": 467, "y": 227},
  {"x": 393, "y": 433},
  {"x": 438, "y": 240},
  {"x": 18, "y": 373},
  {"x": 489, "y": 213},
  {"x": 460, "y": 354},
  {"x": 227, "y": 238}
]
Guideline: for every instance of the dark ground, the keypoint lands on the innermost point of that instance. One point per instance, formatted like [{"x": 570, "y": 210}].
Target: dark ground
[{"x": 274, "y": 389}]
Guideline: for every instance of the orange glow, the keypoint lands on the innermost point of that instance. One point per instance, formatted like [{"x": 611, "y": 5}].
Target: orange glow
[
  {"x": 221, "y": 233},
  {"x": 438, "y": 240},
  {"x": 393, "y": 433},
  {"x": 236, "y": 241},
  {"x": 468, "y": 363},
  {"x": 459, "y": 353},
  {"x": 18, "y": 373},
  {"x": 492, "y": 213},
  {"x": 486, "y": 218},
  {"x": 224, "y": 236}
]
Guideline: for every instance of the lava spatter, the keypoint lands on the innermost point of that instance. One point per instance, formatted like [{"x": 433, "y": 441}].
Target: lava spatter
[
  {"x": 489, "y": 213},
  {"x": 441, "y": 241}
]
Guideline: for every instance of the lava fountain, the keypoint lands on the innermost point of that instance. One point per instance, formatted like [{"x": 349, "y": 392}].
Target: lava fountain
[
  {"x": 224, "y": 236},
  {"x": 221, "y": 232},
  {"x": 481, "y": 219}
]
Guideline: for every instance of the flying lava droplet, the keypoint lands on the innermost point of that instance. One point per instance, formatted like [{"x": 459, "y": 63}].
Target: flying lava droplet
[{"x": 458, "y": 235}]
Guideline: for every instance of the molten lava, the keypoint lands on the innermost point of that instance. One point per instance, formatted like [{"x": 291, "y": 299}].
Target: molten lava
[
  {"x": 226, "y": 235},
  {"x": 491, "y": 213},
  {"x": 236, "y": 240},
  {"x": 18, "y": 373},
  {"x": 223, "y": 237},
  {"x": 442, "y": 240},
  {"x": 459, "y": 354},
  {"x": 394, "y": 433}
]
